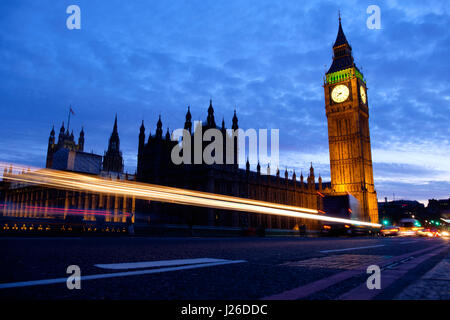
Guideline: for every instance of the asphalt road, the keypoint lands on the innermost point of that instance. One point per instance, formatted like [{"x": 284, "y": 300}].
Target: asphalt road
[{"x": 224, "y": 268}]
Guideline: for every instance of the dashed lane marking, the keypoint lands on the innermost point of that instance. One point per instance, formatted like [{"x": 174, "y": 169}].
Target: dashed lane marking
[
  {"x": 324, "y": 283},
  {"x": 389, "y": 275}
]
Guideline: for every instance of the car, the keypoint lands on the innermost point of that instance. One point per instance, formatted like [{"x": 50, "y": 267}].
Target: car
[
  {"x": 445, "y": 234},
  {"x": 429, "y": 233},
  {"x": 387, "y": 231},
  {"x": 409, "y": 227}
]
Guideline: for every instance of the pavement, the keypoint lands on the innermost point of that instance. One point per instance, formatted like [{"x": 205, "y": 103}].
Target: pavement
[
  {"x": 274, "y": 268},
  {"x": 434, "y": 285}
]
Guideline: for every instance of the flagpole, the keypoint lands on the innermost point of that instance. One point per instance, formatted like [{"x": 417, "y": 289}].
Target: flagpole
[{"x": 68, "y": 122}]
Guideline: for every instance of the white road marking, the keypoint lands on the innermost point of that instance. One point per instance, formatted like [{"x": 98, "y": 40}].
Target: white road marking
[
  {"x": 349, "y": 249},
  {"x": 115, "y": 274},
  {"x": 161, "y": 263}
]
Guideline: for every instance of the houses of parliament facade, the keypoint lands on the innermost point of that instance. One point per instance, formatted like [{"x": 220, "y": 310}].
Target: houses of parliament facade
[{"x": 347, "y": 112}]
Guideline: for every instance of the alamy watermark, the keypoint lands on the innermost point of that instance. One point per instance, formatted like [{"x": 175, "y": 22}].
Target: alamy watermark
[
  {"x": 374, "y": 20},
  {"x": 230, "y": 146},
  {"x": 74, "y": 20},
  {"x": 74, "y": 280},
  {"x": 374, "y": 281}
]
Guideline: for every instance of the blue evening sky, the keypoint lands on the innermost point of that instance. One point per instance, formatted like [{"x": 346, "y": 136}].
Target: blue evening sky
[{"x": 140, "y": 59}]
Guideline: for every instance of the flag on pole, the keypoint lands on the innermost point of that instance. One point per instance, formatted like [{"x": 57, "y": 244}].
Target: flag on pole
[{"x": 71, "y": 111}]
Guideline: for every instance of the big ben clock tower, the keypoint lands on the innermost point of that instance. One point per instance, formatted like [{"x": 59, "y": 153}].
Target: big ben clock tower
[{"x": 347, "y": 112}]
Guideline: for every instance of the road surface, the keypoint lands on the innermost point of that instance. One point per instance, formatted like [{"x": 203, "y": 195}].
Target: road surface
[{"x": 216, "y": 268}]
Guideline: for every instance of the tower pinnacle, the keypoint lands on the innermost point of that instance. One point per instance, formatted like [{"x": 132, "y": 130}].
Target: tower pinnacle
[
  {"x": 342, "y": 52},
  {"x": 112, "y": 160}
]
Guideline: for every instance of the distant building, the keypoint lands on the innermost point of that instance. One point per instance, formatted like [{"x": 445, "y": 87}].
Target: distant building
[
  {"x": 442, "y": 205},
  {"x": 77, "y": 161},
  {"x": 439, "y": 210},
  {"x": 66, "y": 141},
  {"x": 393, "y": 211}
]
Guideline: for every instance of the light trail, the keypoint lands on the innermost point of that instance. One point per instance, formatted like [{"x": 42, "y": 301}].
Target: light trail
[
  {"x": 76, "y": 182},
  {"x": 55, "y": 211}
]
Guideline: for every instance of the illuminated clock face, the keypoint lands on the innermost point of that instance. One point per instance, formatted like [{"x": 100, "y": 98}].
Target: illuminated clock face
[
  {"x": 363, "y": 94},
  {"x": 340, "y": 93}
]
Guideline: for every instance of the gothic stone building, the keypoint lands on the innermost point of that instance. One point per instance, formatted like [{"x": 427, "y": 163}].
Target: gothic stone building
[
  {"x": 347, "y": 111},
  {"x": 350, "y": 155},
  {"x": 66, "y": 154},
  {"x": 155, "y": 166},
  {"x": 350, "y": 160},
  {"x": 44, "y": 206}
]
